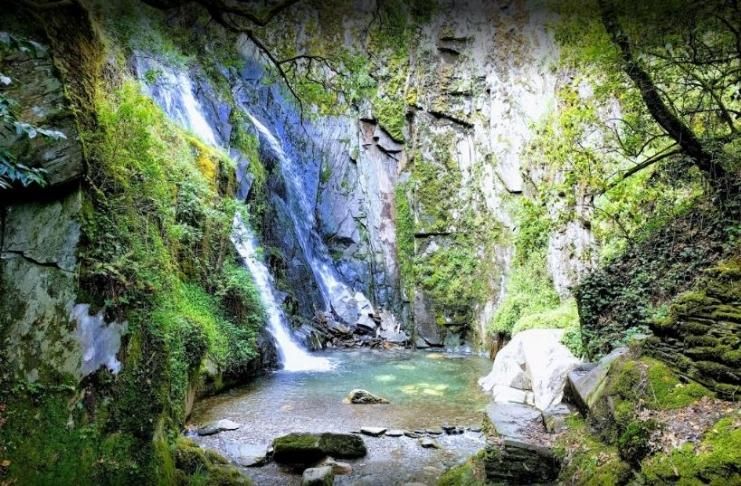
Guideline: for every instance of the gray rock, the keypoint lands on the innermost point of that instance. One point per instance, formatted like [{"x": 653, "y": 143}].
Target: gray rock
[
  {"x": 420, "y": 343},
  {"x": 373, "y": 431},
  {"x": 435, "y": 431},
  {"x": 586, "y": 382},
  {"x": 218, "y": 426},
  {"x": 395, "y": 433},
  {"x": 411, "y": 435},
  {"x": 428, "y": 443},
  {"x": 364, "y": 397},
  {"x": 250, "y": 455},
  {"x": 512, "y": 419},
  {"x": 318, "y": 476}
]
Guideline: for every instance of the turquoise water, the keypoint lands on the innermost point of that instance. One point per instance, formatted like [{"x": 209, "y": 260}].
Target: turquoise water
[{"x": 425, "y": 389}]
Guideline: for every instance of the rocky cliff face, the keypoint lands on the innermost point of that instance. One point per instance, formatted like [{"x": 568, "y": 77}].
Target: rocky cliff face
[{"x": 39, "y": 232}]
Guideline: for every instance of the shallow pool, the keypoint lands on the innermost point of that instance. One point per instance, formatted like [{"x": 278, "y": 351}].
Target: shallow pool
[{"x": 426, "y": 390}]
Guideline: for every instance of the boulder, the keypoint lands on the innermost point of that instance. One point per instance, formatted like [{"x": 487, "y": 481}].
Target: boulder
[
  {"x": 587, "y": 381},
  {"x": 298, "y": 448},
  {"x": 250, "y": 455},
  {"x": 318, "y": 476},
  {"x": 373, "y": 431},
  {"x": 533, "y": 360},
  {"x": 308, "y": 448},
  {"x": 364, "y": 397},
  {"x": 218, "y": 426},
  {"x": 344, "y": 446}
]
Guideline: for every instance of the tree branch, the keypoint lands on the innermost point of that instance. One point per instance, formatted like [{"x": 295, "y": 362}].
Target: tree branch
[{"x": 680, "y": 132}]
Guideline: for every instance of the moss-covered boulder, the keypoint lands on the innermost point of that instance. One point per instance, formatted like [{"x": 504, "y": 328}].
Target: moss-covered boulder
[{"x": 307, "y": 448}]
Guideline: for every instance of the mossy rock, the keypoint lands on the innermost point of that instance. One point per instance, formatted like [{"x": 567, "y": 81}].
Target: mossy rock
[
  {"x": 470, "y": 473},
  {"x": 653, "y": 382},
  {"x": 298, "y": 448},
  {"x": 716, "y": 460},
  {"x": 345, "y": 446},
  {"x": 202, "y": 466},
  {"x": 307, "y": 448},
  {"x": 586, "y": 460}
]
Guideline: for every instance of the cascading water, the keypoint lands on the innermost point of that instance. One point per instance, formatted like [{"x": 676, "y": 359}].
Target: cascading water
[
  {"x": 293, "y": 357},
  {"x": 174, "y": 94},
  {"x": 335, "y": 293}
]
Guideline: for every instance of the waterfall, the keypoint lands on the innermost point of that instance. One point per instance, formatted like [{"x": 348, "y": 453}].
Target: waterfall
[
  {"x": 174, "y": 93},
  {"x": 293, "y": 357},
  {"x": 337, "y": 296}
]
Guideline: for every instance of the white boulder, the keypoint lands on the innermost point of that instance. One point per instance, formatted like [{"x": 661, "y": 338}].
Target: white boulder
[{"x": 536, "y": 361}]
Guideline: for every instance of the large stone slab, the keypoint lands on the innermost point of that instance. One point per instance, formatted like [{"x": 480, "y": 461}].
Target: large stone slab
[{"x": 513, "y": 419}]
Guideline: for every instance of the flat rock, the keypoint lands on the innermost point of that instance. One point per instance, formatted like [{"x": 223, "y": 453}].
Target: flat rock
[
  {"x": 359, "y": 396},
  {"x": 318, "y": 476},
  {"x": 395, "y": 433},
  {"x": 514, "y": 420},
  {"x": 435, "y": 431},
  {"x": 218, "y": 426},
  {"x": 428, "y": 443},
  {"x": 412, "y": 435},
  {"x": 373, "y": 431}
]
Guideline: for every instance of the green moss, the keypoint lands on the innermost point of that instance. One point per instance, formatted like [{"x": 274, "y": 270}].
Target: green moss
[
  {"x": 586, "y": 460},
  {"x": 652, "y": 382},
  {"x": 634, "y": 442},
  {"x": 470, "y": 473},
  {"x": 404, "y": 222},
  {"x": 530, "y": 300},
  {"x": 202, "y": 466},
  {"x": 715, "y": 460}
]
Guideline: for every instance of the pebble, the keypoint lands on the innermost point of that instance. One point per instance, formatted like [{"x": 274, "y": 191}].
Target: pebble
[{"x": 428, "y": 443}]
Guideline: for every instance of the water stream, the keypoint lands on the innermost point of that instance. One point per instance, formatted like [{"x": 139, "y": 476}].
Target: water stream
[
  {"x": 336, "y": 294},
  {"x": 426, "y": 390},
  {"x": 292, "y": 356}
]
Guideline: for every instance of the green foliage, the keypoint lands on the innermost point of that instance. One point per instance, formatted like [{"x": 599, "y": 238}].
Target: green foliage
[
  {"x": 14, "y": 134},
  {"x": 530, "y": 300},
  {"x": 714, "y": 461}
]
